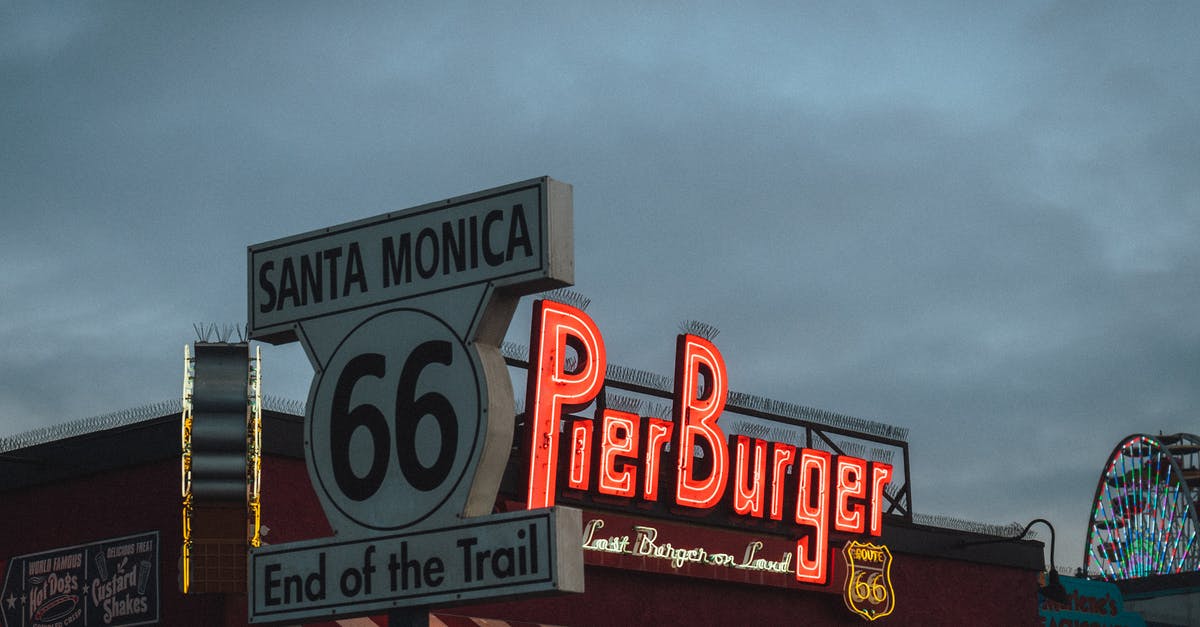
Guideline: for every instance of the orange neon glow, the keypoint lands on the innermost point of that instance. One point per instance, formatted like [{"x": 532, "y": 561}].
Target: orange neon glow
[
  {"x": 658, "y": 433},
  {"x": 881, "y": 475},
  {"x": 749, "y": 482},
  {"x": 551, "y": 389},
  {"x": 851, "y": 484},
  {"x": 620, "y": 440},
  {"x": 782, "y": 456},
  {"x": 581, "y": 455},
  {"x": 812, "y": 509},
  {"x": 696, "y": 357}
]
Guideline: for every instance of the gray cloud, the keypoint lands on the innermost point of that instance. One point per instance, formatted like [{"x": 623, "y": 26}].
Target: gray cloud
[{"x": 978, "y": 223}]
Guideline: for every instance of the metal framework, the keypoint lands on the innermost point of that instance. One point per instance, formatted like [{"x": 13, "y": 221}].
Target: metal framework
[
  {"x": 189, "y": 379},
  {"x": 763, "y": 418},
  {"x": 1144, "y": 519},
  {"x": 253, "y": 458}
]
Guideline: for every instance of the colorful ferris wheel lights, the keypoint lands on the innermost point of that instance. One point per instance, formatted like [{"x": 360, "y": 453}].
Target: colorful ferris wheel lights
[{"x": 1144, "y": 518}]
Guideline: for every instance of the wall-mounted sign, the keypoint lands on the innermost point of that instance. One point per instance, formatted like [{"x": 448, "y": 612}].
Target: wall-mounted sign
[
  {"x": 516, "y": 236},
  {"x": 1089, "y": 602},
  {"x": 221, "y": 465},
  {"x": 867, "y": 589},
  {"x": 410, "y": 414},
  {"x": 621, "y": 457},
  {"x": 665, "y": 547},
  {"x": 499, "y": 555},
  {"x": 111, "y": 582}
]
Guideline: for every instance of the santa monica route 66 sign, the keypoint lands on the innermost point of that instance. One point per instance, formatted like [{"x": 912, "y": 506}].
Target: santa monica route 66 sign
[{"x": 410, "y": 414}]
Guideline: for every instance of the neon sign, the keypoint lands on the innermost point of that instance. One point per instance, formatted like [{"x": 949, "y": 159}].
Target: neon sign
[
  {"x": 687, "y": 461},
  {"x": 868, "y": 589},
  {"x": 644, "y": 542}
]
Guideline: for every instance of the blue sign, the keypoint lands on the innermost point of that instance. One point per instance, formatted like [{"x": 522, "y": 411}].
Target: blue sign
[
  {"x": 1089, "y": 602},
  {"x": 111, "y": 582}
]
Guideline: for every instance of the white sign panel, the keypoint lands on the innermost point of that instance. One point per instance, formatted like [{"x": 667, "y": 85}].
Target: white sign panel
[
  {"x": 502, "y": 555},
  {"x": 409, "y": 419},
  {"x": 399, "y": 412},
  {"x": 402, "y": 316},
  {"x": 516, "y": 234}
]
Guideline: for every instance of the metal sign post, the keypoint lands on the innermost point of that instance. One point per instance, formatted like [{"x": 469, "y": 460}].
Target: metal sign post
[{"x": 410, "y": 414}]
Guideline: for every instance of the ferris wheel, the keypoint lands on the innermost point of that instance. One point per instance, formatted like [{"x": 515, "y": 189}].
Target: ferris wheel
[{"x": 1144, "y": 520}]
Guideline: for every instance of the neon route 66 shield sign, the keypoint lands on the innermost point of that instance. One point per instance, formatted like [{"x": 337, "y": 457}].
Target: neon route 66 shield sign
[{"x": 868, "y": 589}]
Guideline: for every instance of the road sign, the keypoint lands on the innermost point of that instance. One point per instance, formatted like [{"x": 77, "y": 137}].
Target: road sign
[
  {"x": 404, "y": 413},
  {"x": 409, "y": 420},
  {"x": 516, "y": 236},
  {"x": 503, "y": 555},
  {"x": 402, "y": 316}
]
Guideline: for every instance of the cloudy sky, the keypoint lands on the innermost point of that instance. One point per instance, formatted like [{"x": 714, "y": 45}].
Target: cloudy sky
[{"x": 977, "y": 223}]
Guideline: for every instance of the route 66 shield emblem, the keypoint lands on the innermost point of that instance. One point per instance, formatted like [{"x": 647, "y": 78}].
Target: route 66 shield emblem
[{"x": 868, "y": 590}]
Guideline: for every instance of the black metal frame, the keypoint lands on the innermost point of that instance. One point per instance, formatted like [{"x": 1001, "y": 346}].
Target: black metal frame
[{"x": 899, "y": 500}]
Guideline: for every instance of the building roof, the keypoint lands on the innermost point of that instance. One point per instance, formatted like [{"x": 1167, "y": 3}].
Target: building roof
[{"x": 148, "y": 434}]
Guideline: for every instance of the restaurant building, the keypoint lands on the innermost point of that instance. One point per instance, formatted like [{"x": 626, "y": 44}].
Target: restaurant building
[
  {"x": 91, "y": 533},
  {"x": 420, "y": 488}
]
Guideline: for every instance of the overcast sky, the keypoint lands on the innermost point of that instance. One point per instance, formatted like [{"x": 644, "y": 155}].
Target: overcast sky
[{"x": 977, "y": 223}]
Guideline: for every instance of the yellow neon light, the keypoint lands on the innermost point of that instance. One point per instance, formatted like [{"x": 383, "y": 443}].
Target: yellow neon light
[
  {"x": 254, "y": 457},
  {"x": 186, "y": 562},
  {"x": 868, "y": 592},
  {"x": 186, "y": 468},
  {"x": 253, "y": 461}
]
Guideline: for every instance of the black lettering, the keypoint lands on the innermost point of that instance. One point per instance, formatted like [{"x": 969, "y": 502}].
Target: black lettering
[
  {"x": 354, "y": 271},
  {"x": 433, "y": 572},
  {"x": 314, "y": 585},
  {"x": 518, "y": 233},
  {"x": 523, "y": 566},
  {"x": 533, "y": 549},
  {"x": 503, "y": 563},
  {"x": 351, "y": 582},
  {"x": 480, "y": 558},
  {"x": 405, "y": 567},
  {"x": 287, "y": 285},
  {"x": 272, "y": 574},
  {"x": 265, "y": 283},
  {"x": 397, "y": 261},
  {"x": 490, "y": 256},
  {"x": 466, "y": 544},
  {"x": 368, "y": 569},
  {"x": 454, "y": 246},
  {"x": 331, "y": 255},
  {"x": 410, "y": 411},
  {"x": 427, "y": 271},
  {"x": 293, "y": 582},
  {"x": 310, "y": 278},
  {"x": 474, "y": 242},
  {"x": 346, "y": 421}
]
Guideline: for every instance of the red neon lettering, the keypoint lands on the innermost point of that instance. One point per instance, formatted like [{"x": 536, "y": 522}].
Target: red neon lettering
[
  {"x": 658, "y": 433},
  {"x": 551, "y": 389},
  {"x": 696, "y": 357},
  {"x": 881, "y": 475},
  {"x": 812, "y": 506},
  {"x": 581, "y": 455},
  {"x": 748, "y": 483},
  {"x": 782, "y": 456},
  {"x": 620, "y": 440},
  {"x": 851, "y": 484}
]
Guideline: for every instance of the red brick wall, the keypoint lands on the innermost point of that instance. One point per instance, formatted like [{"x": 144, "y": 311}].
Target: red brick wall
[{"x": 928, "y": 591}]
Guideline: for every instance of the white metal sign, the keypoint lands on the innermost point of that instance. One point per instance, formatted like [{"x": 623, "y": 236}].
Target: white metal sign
[
  {"x": 501, "y": 555},
  {"x": 410, "y": 414},
  {"x": 516, "y": 236},
  {"x": 402, "y": 415}
]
